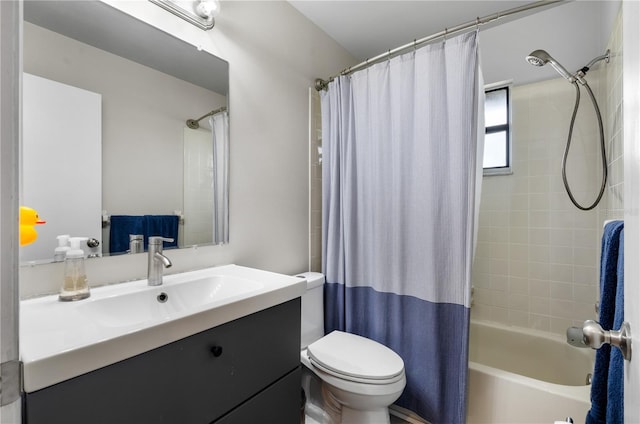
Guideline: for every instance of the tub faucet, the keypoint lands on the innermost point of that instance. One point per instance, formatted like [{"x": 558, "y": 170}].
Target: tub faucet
[{"x": 156, "y": 260}]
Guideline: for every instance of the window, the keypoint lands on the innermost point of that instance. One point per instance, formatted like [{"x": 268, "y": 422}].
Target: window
[{"x": 497, "y": 139}]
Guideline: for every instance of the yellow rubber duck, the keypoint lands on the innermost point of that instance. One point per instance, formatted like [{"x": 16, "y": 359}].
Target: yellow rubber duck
[{"x": 28, "y": 220}]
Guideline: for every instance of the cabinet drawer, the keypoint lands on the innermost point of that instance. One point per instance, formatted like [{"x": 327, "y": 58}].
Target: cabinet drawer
[
  {"x": 273, "y": 405},
  {"x": 193, "y": 380}
]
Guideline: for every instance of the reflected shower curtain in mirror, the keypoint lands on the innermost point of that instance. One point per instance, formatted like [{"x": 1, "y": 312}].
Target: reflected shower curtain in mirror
[
  {"x": 402, "y": 150},
  {"x": 220, "y": 132}
]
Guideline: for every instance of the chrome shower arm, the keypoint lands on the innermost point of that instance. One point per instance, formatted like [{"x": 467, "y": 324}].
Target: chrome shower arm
[
  {"x": 606, "y": 57},
  {"x": 194, "y": 123}
]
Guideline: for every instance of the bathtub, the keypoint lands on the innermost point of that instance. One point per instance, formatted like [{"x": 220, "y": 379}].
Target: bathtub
[{"x": 519, "y": 375}]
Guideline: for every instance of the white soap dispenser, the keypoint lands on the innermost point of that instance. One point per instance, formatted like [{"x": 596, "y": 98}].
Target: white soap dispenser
[
  {"x": 75, "y": 285},
  {"x": 60, "y": 252}
]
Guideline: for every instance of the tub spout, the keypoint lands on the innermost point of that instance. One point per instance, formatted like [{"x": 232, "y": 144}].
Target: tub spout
[{"x": 575, "y": 337}]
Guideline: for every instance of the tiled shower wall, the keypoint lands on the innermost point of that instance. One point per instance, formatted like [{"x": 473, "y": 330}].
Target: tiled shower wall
[
  {"x": 315, "y": 183},
  {"x": 537, "y": 258}
]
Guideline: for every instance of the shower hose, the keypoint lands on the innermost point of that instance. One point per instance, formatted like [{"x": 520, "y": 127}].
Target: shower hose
[{"x": 602, "y": 149}]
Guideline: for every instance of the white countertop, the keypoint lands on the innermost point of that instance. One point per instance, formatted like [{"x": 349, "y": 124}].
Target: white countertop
[{"x": 62, "y": 340}]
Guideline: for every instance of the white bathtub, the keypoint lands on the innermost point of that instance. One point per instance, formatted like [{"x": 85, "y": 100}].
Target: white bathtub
[{"x": 519, "y": 375}]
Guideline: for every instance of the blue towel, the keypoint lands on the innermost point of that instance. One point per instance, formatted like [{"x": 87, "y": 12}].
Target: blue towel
[
  {"x": 615, "y": 386},
  {"x": 161, "y": 225},
  {"x": 608, "y": 290},
  {"x": 121, "y": 227}
]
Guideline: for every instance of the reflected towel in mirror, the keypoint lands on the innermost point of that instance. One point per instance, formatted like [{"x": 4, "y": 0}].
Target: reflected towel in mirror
[{"x": 147, "y": 225}]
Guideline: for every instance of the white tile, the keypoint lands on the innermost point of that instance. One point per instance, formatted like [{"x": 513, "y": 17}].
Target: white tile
[
  {"x": 519, "y": 235},
  {"x": 560, "y": 272},
  {"x": 500, "y": 299},
  {"x": 561, "y": 308},
  {"x": 519, "y": 268},
  {"x": 539, "y": 322},
  {"x": 499, "y": 283},
  {"x": 539, "y": 305},
  {"x": 539, "y": 288},
  {"x": 585, "y": 256},
  {"x": 519, "y": 219},
  {"x": 539, "y": 201},
  {"x": 518, "y": 252},
  {"x": 561, "y": 291},
  {"x": 538, "y": 253},
  {"x": 518, "y": 318},
  {"x": 518, "y": 285},
  {"x": 561, "y": 255},
  {"x": 559, "y": 325},
  {"x": 561, "y": 237},
  {"x": 539, "y": 219},
  {"x": 585, "y": 275},
  {"x": 539, "y": 236},
  {"x": 499, "y": 315},
  {"x": 585, "y": 294},
  {"x": 481, "y": 312},
  {"x": 519, "y": 302},
  {"x": 539, "y": 271},
  {"x": 584, "y": 311}
]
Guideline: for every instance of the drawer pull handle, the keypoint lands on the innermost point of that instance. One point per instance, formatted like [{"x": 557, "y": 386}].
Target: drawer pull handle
[{"x": 216, "y": 350}]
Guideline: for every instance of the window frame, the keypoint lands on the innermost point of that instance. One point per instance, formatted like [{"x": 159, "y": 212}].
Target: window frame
[{"x": 507, "y": 128}]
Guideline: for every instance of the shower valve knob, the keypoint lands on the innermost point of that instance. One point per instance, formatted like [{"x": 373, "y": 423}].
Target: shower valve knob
[{"x": 594, "y": 336}]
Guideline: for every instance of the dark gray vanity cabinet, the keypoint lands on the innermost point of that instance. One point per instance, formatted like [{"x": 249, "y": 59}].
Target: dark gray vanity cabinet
[{"x": 244, "y": 371}]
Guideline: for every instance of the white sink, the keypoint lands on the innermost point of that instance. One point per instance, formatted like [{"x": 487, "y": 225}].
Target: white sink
[
  {"x": 61, "y": 340},
  {"x": 166, "y": 302}
]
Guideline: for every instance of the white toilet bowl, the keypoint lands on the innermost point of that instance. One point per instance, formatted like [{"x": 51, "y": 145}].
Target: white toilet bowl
[{"x": 360, "y": 377}]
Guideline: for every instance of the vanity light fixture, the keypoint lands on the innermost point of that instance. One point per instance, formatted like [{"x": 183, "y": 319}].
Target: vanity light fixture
[{"x": 200, "y": 13}]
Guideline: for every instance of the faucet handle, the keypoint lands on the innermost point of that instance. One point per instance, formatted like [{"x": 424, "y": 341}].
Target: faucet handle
[{"x": 159, "y": 239}]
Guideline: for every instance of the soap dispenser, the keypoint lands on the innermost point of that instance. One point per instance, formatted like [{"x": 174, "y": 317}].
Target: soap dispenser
[
  {"x": 75, "y": 285},
  {"x": 60, "y": 252}
]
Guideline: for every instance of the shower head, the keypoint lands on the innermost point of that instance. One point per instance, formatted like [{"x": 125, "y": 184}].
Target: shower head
[
  {"x": 541, "y": 58},
  {"x": 538, "y": 58}
]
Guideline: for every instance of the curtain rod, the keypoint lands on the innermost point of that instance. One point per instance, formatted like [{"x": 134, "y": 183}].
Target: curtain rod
[
  {"x": 321, "y": 84},
  {"x": 194, "y": 123}
]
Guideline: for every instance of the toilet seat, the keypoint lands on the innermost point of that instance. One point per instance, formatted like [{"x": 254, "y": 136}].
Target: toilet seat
[{"x": 354, "y": 358}]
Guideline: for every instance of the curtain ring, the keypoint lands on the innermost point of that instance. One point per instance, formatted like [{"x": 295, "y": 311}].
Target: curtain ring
[
  {"x": 389, "y": 55},
  {"x": 444, "y": 37}
]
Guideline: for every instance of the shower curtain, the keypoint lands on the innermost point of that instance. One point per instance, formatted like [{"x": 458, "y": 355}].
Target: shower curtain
[
  {"x": 220, "y": 132},
  {"x": 401, "y": 169}
]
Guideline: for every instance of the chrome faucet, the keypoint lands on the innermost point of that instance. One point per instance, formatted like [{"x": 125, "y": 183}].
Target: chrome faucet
[
  {"x": 136, "y": 243},
  {"x": 156, "y": 260}
]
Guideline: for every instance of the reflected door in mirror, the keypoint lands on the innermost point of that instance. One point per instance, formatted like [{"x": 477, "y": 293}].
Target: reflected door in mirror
[{"x": 61, "y": 162}]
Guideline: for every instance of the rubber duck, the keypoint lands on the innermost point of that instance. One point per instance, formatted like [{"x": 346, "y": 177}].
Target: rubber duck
[{"x": 28, "y": 220}]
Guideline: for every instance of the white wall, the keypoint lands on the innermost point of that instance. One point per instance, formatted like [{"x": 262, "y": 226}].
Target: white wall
[{"x": 274, "y": 56}]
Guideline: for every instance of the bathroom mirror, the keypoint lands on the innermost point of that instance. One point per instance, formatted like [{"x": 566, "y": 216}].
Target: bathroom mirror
[{"x": 150, "y": 83}]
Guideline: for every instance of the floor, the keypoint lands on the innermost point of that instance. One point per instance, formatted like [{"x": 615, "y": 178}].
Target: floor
[{"x": 394, "y": 420}]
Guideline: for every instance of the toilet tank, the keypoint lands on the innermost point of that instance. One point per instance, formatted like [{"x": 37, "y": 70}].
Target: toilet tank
[{"x": 312, "y": 310}]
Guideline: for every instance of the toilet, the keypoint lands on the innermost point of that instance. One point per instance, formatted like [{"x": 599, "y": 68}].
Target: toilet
[{"x": 358, "y": 378}]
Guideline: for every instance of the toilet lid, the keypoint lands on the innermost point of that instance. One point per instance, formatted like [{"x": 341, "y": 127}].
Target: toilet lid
[{"x": 355, "y": 357}]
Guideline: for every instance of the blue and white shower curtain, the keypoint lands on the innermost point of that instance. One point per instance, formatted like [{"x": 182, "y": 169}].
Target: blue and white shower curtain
[{"x": 402, "y": 169}]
